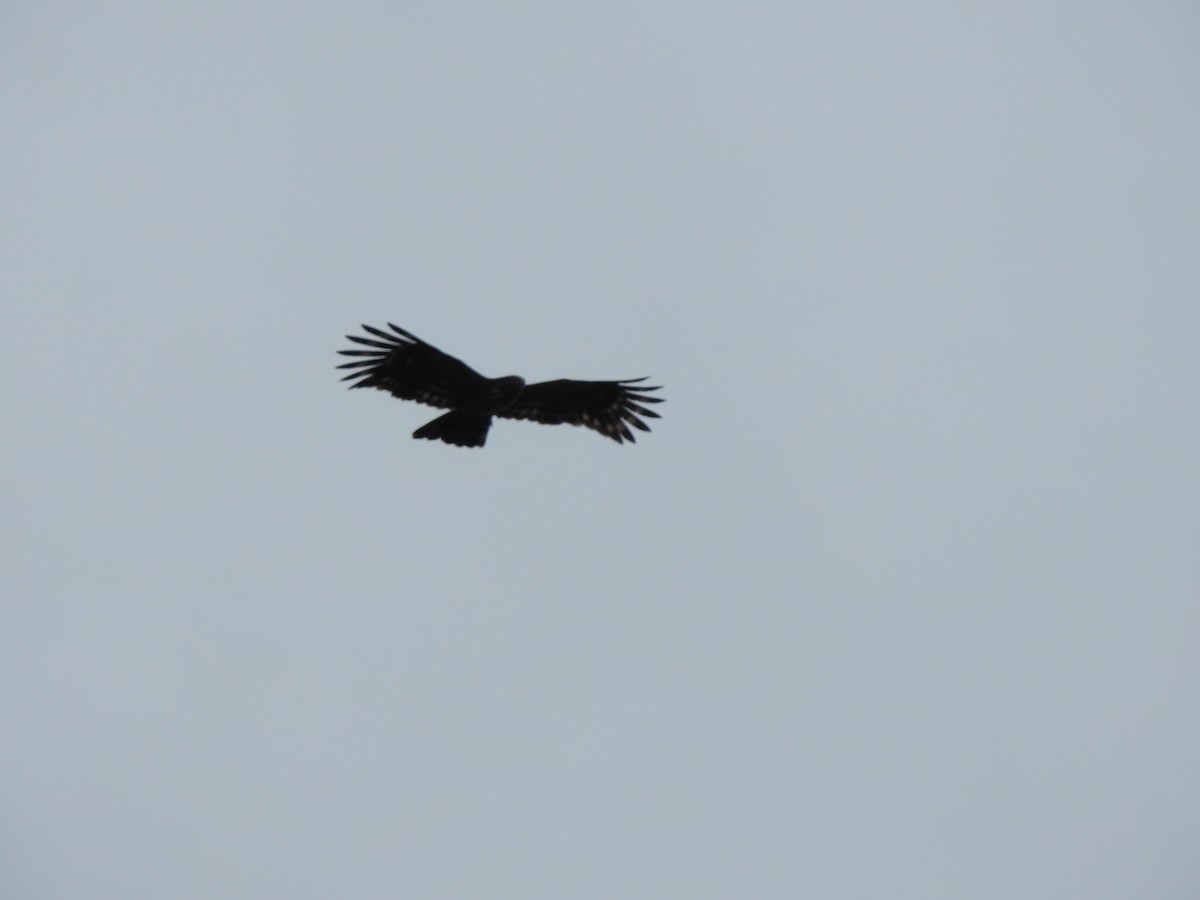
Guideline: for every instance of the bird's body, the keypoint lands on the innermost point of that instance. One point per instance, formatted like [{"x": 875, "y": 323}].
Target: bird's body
[{"x": 406, "y": 367}]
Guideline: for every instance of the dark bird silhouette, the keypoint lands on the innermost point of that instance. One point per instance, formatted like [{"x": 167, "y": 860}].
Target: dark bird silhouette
[{"x": 406, "y": 367}]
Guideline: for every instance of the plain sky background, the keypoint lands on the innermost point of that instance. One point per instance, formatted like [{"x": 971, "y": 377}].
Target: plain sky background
[{"x": 900, "y": 599}]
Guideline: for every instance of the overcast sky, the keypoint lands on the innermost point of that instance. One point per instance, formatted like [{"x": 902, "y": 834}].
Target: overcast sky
[{"x": 900, "y": 599}]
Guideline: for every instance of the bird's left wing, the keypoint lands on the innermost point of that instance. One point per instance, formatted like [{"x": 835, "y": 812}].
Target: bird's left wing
[{"x": 608, "y": 407}]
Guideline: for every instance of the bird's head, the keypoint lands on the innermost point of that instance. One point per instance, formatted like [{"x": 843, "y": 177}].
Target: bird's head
[{"x": 505, "y": 390}]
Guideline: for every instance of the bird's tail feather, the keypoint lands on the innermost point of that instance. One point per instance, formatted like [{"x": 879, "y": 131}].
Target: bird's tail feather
[{"x": 459, "y": 427}]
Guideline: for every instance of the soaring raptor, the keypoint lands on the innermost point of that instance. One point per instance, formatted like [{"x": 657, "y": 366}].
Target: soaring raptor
[{"x": 406, "y": 367}]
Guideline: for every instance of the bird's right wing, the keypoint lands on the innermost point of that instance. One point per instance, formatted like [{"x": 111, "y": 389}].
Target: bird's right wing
[{"x": 405, "y": 366}]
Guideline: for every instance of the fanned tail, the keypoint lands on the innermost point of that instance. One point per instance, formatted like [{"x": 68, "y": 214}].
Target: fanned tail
[{"x": 459, "y": 427}]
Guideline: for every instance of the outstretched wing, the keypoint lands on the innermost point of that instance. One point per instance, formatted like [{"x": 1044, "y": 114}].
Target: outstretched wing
[
  {"x": 608, "y": 407},
  {"x": 407, "y": 367}
]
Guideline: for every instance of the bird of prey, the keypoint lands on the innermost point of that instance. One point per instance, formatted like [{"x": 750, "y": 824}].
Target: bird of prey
[{"x": 406, "y": 367}]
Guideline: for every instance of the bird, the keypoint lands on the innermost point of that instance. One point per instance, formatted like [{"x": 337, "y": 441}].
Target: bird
[{"x": 409, "y": 368}]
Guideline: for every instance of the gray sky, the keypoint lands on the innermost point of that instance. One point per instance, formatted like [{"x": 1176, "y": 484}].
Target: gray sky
[{"x": 899, "y": 600}]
